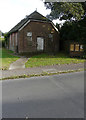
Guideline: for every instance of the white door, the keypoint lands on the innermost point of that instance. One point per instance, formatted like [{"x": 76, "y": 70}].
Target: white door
[{"x": 40, "y": 43}]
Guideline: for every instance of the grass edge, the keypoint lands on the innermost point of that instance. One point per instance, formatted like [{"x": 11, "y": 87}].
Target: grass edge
[{"x": 42, "y": 74}]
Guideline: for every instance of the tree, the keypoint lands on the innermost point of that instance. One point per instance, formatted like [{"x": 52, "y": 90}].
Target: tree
[
  {"x": 74, "y": 29},
  {"x": 66, "y": 10},
  {"x": 58, "y": 26},
  {"x": 6, "y": 38},
  {"x": 73, "y": 32}
]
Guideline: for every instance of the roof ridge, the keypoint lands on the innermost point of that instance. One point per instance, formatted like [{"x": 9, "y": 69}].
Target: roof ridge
[{"x": 33, "y": 16}]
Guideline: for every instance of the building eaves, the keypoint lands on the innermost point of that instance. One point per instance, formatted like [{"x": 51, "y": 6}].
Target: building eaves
[{"x": 35, "y": 16}]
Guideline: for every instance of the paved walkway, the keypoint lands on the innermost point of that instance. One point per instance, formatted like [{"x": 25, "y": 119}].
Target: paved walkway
[
  {"x": 39, "y": 70},
  {"x": 19, "y": 64}
]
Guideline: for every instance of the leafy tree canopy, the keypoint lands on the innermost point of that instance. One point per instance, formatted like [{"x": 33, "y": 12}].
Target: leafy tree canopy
[
  {"x": 73, "y": 32},
  {"x": 66, "y": 10}
]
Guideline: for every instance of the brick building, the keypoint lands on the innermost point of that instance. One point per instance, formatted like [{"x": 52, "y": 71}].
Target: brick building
[{"x": 35, "y": 33}]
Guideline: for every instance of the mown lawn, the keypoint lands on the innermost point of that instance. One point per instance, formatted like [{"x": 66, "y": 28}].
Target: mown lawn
[
  {"x": 6, "y": 58},
  {"x": 45, "y": 59}
]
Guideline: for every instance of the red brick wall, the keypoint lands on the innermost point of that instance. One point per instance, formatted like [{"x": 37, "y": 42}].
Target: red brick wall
[
  {"x": 38, "y": 29},
  {"x": 12, "y": 41}
]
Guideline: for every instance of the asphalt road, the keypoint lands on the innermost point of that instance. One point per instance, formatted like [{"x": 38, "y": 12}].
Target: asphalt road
[{"x": 57, "y": 96}]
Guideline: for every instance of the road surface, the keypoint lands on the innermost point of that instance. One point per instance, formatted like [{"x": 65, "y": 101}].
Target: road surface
[{"x": 56, "y": 96}]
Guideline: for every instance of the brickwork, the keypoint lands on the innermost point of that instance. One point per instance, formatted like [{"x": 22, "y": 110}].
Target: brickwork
[
  {"x": 38, "y": 29},
  {"x": 12, "y": 42}
]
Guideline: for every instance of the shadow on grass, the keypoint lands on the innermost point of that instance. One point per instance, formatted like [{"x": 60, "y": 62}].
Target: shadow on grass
[
  {"x": 37, "y": 59},
  {"x": 5, "y": 53},
  {"x": 45, "y": 55},
  {"x": 51, "y": 55}
]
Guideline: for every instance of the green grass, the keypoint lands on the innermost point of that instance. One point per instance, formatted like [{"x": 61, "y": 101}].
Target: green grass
[
  {"x": 45, "y": 60},
  {"x": 7, "y": 58}
]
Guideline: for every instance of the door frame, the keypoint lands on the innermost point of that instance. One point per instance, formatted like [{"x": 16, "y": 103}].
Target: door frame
[{"x": 43, "y": 43}]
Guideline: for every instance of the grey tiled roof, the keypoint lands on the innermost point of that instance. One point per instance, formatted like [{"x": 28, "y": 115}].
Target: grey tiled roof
[{"x": 34, "y": 16}]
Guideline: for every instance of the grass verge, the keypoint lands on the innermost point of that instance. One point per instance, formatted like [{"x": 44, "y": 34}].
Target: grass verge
[
  {"x": 45, "y": 59},
  {"x": 42, "y": 74},
  {"x": 7, "y": 58}
]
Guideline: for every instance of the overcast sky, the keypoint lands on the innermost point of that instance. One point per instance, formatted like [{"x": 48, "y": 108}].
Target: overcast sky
[{"x": 12, "y": 11}]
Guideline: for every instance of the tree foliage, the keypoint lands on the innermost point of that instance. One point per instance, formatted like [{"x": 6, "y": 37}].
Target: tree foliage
[
  {"x": 74, "y": 29},
  {"x": 66, "y": 10},
  {"x": 6, "y": 38},
  {"x": 73, "y": 32}
]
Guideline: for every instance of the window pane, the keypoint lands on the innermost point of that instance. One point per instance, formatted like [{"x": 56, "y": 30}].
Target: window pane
[
  {"x": 77, "y": 47},
  {"x": 72, "y": 47},
  {"x": 81, "y": 47},
  {"x": 29, "y": 34},
  {"x": 29, "y": 39}
]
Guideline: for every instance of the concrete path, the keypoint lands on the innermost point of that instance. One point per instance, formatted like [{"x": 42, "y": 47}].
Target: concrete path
[
  {"x": 20, "y": 63},
  {"x": 40, "y": 70}
]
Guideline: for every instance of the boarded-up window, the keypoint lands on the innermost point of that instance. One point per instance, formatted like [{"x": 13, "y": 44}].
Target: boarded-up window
[
  {"x": 77, "y": 47},
  {"x": 29, "y": 38},
  {"x": 72, "y": 47},
  {"x": 81, "y": 47}
]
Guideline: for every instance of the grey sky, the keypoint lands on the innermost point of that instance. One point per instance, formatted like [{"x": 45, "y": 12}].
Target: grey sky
[{"x": 12, "y": 11}]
